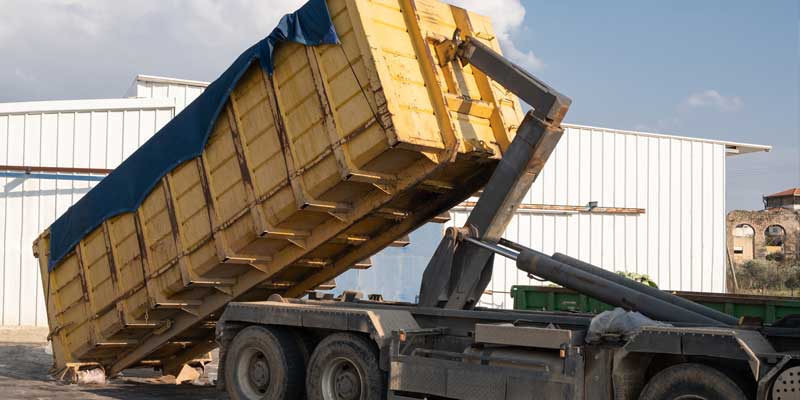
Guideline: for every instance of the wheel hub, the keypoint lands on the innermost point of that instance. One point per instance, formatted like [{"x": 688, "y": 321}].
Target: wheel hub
[
  {"x": 342, "y": 380},
  {"x": 787, "y": 384},
  {"x": 347, "y": 386},
  {"x": 258, "y": 372}
]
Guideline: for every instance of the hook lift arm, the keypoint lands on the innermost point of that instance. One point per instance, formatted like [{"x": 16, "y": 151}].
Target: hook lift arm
[
  {"x": 461, "y": 267},
  {"x": 459, "y": 271}
]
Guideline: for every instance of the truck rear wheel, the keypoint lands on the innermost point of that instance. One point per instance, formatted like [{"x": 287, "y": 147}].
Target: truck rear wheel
[
  {"x": 691, "y": 382},
  {"x": 264, "y": 363},
  {"x": 344, "y": 366}
]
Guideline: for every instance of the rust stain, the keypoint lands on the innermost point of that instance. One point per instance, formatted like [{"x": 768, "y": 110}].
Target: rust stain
[
  {"x": 112, "y": 266},
  {"x": 173, "y": 219},
  {"x": 142, "y": 250},
  {"x": 237, "y": 145}
]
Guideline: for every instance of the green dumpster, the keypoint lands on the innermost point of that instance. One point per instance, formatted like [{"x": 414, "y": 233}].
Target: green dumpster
[{"x": 544, "y": 298}]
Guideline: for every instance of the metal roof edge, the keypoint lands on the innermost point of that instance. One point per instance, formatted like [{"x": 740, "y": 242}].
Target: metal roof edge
[
  {"x": 732, "y": 147},
  {"x": 56, "y": 106},
  {"x": 164, "y": 79}
]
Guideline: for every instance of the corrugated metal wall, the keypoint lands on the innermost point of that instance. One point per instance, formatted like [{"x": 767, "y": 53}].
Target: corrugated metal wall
[
  {"x": 396, "y": 272},
  {"x": 183, "y": 91},
  {"x": 679, "y": 240},
  {"x": 91, "y": 134}
]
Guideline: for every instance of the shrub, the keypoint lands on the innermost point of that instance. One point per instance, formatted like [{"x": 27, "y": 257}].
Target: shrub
[
  {"x": 641, "y": 278},
  {"x": 769, "y": 276},
  {"x": 776, "y": 256}
]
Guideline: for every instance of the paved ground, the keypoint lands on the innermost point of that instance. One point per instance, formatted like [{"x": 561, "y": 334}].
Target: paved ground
[{"x": 25, "y": 360}]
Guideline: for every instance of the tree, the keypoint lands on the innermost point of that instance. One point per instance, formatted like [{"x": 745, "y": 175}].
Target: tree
[{"x": 761, "y": 275}]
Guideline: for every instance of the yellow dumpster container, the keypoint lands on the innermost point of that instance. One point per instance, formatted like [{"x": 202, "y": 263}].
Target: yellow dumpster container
[{"x": 342, "y": 150}]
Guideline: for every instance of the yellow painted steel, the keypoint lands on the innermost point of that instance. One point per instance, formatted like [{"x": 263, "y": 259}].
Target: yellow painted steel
[{"x": 342, "y": 150}]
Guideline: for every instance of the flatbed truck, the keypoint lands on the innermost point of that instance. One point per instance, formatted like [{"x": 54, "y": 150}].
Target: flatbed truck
[{"x": 445, "y": 347}]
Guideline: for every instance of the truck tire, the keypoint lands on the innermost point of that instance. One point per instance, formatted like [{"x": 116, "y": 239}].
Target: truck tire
[
  {"x": 691, "y": 381},
  {"x": 344, "y": 366},
  {"x": 264, "y": 363}
]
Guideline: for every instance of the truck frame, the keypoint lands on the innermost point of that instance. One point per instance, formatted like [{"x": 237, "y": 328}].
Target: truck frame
[{"x": 444, "y": 347}]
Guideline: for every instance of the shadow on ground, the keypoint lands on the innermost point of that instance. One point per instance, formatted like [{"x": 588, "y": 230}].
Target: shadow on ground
[{"x": 23, "y": 376}]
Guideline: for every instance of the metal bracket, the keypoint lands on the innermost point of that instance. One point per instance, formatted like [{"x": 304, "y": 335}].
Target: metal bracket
[{"x": 548, "y": 103}]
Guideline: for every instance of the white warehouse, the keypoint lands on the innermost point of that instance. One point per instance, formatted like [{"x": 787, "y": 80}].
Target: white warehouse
[
  {"x": 626, "y": 201},
  {"x": 660, "y": 200},
  {"x": 51, "y": 153}
]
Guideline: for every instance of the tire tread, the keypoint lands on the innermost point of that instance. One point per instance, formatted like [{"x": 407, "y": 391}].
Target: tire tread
[{"x": 691, "y": 378}]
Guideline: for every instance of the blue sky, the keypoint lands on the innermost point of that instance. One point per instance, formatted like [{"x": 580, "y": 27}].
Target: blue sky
[
  {"x": 726, "y": 70},
  {"x": 713, "y": 69}
]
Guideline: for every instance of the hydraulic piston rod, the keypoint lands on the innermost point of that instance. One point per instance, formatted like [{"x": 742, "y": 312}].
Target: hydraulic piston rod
[
  {"x": 541, "y": 265},
  {"x": 596, "y": 285},
  {"x": 651, "y": 291}
]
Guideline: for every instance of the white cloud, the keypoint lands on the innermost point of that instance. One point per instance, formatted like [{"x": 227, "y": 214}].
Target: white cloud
[
  {"x": 68, "y": 49},
  {"x": 713, "y": 99},
  {"x": 92, "y": 48},
  {"x": 663, "y": 125},
  {"x": 507, "y": 16},
  {"x": 707, "y": 99}
]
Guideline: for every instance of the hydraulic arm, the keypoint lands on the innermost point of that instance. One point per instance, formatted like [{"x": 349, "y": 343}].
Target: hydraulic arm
[
  {"x": 457, "y": 274},
  {"x": 461, "y": 267}
]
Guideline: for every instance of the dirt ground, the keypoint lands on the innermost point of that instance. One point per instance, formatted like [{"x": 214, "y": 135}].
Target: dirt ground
[{"x": 25, "y": 360}]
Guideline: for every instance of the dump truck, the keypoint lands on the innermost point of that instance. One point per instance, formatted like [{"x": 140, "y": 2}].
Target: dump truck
[
  {"x": 437, "y": 87},
  {"x": 444, "y": 347}
]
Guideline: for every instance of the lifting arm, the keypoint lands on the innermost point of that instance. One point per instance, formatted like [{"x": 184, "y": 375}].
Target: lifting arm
[{"x": 458, "y": 272}]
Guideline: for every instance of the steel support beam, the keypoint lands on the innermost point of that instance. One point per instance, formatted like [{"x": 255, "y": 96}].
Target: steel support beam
[
  {"x": 57, "y": 177},
  {"x": 65, "y": 170}
]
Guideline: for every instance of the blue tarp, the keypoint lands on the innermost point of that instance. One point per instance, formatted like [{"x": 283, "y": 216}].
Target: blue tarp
[{"x": 184, "y": 137}]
